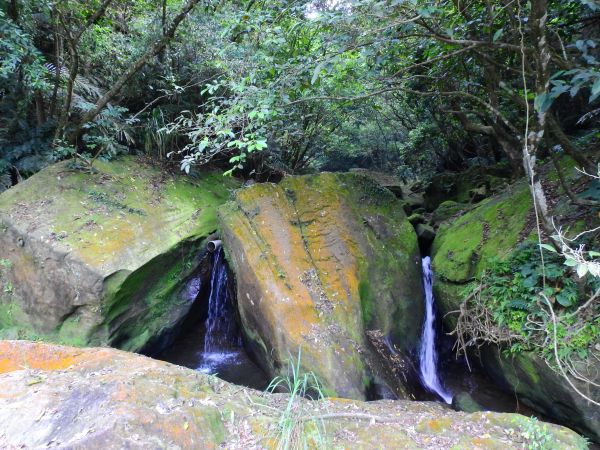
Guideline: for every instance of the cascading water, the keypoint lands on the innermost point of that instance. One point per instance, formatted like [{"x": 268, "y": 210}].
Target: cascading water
[
  {"x": 219, "y": 322},
  {"x": 428, "y": 355},
  {"x": 221, "y": 340},
  {"x": 214, "y": 345}
]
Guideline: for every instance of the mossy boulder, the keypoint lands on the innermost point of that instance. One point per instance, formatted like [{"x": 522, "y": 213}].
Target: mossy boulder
[
  {"x": 108, "y": 399},
  {"x": 425, "y": 233},
  {"x": 319, "y": 261},
  {"x": 460, "y": 186},
  {"x": 101, "y": 258},
  {"x": 390, "y": 182},
  {"x": 541, "y": 388},
  {"x": 462, "y": 249},
  {"x": 463, "y": 401},
  {"x": 446, "y": 210}
]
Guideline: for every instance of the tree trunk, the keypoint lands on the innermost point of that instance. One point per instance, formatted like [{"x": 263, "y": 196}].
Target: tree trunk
[
  {"x": 73, "y": 42},
  {"x": 163, "y": 20},
  {"x": 40, "y": 112},
  {"x": 565, "y": 185},
  {"x": 13, "y": 11},
  {"x": 66, "y": 111},
  {"x": 539, "y": 15},
  {"x": 57, "y": 67},
  {"x": 568, "y": 146}
]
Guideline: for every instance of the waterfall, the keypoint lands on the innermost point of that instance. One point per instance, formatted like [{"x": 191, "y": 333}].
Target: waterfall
[
  {"x": 215, "y": 346},
  {"x": 220, "y": 339},
  {"x": 219, "y": 321},
  {"x": 428, "y": 354}
]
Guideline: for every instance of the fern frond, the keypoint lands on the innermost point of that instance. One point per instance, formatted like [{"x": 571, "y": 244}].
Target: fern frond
[{"x": 519, "y": 303}]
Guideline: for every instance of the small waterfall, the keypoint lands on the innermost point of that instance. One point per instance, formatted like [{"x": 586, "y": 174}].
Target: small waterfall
[
  {"x": 219, "y": 323},
  {"x": 214, "y": 345},
  {"x": 221, "y": 339},
  {"x": 428, "y": 357}
]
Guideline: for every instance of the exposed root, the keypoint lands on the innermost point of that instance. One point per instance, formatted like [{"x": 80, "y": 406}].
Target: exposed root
[{"x": 476, "y": 326}]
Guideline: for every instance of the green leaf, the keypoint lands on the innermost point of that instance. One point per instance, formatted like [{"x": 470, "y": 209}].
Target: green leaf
[
  {"x": 498, "y": 34},
  {"x": 595, "y": 90},
  {"x": 317, "y": 72},
  {"x": 564, "y": 299},
  {"x": 570, "y": 262},
  {"x": 582, "y": 269},
  {"x": 548, "y": 247},
  {"x": 531, "y": 281},
  {"x": 543, "y": 102},
  {"x": 594, "y": 5}
]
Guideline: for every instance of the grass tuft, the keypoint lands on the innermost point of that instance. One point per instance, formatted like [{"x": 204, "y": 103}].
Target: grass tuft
[{"x": 296, "y": 429}]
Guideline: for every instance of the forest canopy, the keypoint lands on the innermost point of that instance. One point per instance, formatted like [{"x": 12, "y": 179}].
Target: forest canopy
[{"x": 412, "y": 87}]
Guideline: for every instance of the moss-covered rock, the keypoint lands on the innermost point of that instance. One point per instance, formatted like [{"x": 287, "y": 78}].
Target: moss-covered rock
[
  {"x": 318, "y": 261},
  {"x": 446, "y": 210},
  {"x": 109, "y": 399},
  {"x": 541, "y": 388},
  {"x": 101, "y": 258},
  {"x": 390, "y": 182},
  {"x": 463, "y": 401},
  {"x": 462, "y": 249},
  {"x": 459, "y": 186}
]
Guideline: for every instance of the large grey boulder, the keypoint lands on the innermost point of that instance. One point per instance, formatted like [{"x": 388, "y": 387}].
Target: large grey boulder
[{"x": 105, "y": 257}]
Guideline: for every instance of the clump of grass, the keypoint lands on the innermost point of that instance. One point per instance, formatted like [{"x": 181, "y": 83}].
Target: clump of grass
[{"x": 296, "y": 429}]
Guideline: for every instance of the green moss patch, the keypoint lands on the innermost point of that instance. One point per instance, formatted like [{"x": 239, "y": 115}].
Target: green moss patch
[{"x": 463, "y": 248}]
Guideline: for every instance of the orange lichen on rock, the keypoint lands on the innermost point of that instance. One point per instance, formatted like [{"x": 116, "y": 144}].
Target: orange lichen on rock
[
  {"x": 113, "y": 399},
  {"x": 305, "y": 253},
  {"x": 16, "y": 355}
]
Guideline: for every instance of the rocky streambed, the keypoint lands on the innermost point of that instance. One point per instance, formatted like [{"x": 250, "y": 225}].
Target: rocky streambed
[{"x": 326, "y": 267}]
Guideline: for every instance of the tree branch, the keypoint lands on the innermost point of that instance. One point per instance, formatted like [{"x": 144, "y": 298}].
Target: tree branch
[{"x": 134, "y": 68}]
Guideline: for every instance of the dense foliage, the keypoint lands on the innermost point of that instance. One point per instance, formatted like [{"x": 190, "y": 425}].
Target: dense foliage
[
  {"x": 512, "y": 292},
  {"x": 410, "y": 87}
]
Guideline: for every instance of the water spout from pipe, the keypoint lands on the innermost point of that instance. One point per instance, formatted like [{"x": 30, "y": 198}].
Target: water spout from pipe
[{"x": 213, "y": 246}]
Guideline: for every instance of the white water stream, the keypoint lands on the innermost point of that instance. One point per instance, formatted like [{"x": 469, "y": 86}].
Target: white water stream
[
  {"x": 221, "y": 345},
  {"x": 428, "y": 358}
]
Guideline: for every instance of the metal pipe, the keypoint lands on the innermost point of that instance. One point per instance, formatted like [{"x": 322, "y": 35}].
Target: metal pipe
[{"x": 213, "y": 246}]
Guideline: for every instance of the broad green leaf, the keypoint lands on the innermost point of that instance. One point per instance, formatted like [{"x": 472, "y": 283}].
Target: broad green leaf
[
  {"x": 543, "y": 102},
  {"x": 498, "y": 34},
  {"x": 582, "y": 269},
  {"x": 548, "y": 247},
  {"x": 317, "y": 72},
  {"x": 595, "y": 90}
]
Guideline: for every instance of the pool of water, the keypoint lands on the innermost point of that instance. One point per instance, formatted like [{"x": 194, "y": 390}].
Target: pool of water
[{"x": 231, "y": 363}]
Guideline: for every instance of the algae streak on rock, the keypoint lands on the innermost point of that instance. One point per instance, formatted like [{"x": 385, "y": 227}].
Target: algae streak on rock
[
  {"x": 109, "y": 399},
  {"x": 100, "y": 258},
  {"x": 319, "y": 261}
]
